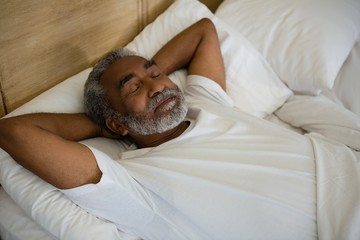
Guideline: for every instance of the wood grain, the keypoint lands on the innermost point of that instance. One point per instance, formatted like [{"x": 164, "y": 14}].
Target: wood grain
[
  {"x": 212, "y": 4},
  {"x": 2, "y": 106},
  {"x": 46, "y": 41}
]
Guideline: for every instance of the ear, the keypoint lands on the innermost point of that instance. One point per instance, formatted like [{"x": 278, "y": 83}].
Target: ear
[{"x": 116, "y": 127}]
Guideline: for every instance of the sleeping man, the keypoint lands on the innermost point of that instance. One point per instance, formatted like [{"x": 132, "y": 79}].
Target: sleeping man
[{"x": 200, "y": 168}]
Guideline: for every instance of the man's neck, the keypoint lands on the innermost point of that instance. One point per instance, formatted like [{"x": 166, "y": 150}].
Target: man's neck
[{"x": 157, "y": 139}]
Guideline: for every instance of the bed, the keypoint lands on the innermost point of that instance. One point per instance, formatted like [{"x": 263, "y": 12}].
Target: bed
[{"x": 291, "y": 63}]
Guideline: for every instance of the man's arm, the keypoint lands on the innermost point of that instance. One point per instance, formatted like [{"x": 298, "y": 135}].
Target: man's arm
[
  {"x": 196, "y": 48},
  {"x": 46, "y": 144}
]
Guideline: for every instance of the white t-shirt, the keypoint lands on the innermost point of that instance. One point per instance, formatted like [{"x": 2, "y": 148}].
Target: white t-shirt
[{"x": 227, "y": 176}]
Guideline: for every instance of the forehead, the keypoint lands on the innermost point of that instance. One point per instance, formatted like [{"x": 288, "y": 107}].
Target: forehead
[{"x": 122, "y": 67}]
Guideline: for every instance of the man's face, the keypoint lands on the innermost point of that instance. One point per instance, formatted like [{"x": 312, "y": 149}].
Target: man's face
[{"x": 147, "y": 99}]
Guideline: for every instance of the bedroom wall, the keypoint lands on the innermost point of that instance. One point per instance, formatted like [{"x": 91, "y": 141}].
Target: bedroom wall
[{"x": 44, "y": 42}]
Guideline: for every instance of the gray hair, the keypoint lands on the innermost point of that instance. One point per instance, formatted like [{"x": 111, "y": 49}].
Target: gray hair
[{"x": 96, "y": 101}]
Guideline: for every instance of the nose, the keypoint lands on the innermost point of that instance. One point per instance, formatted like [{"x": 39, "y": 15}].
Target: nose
[{"x": 154, "y": 86}]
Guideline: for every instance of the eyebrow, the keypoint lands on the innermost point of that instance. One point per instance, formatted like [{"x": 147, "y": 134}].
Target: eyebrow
[
  {"x": 128, "y": 77},
  {"x": 125, "y": 79},
  {"x": 149, "y": 63}
]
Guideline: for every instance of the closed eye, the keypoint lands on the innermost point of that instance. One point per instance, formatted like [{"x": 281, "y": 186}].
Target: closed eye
[
  {"x": 156, "y": 75},
  {"x": 133, "y": 88}
]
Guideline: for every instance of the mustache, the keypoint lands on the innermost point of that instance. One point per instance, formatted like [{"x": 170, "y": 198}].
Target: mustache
[{"x": 167, "y": 92}]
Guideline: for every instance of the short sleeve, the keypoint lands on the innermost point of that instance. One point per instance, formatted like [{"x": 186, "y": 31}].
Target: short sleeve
[
  {"x": 117, "y": 197},
  {"x": 200, "y": 89}
]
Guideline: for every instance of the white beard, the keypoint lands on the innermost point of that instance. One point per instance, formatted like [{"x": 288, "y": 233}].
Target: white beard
[{"x": 148, "y": 123}]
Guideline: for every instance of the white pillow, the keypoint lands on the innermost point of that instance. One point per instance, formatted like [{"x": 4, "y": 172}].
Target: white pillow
[
  {"x": 347, "y": 84},
  {"x": 251, "y": 82},
  {"x": 305, "y": 41},
  {"x": 66, "y": 97}
]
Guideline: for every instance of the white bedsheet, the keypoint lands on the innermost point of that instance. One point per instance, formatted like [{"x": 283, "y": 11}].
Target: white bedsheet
[
  {"x": 338, "y": 189},
  {"x": 15, "y": 224},
  {"x": 338, "y": 203},
  {"x": 332, "y": 127}
]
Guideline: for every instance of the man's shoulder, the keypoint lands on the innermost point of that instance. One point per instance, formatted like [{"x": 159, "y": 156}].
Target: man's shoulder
[{"x": 200, "y": 90}]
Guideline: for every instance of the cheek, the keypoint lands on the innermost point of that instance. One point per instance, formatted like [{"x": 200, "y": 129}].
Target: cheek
[
  {"x": 115, "y": 102},
  {"x": 135, "y": 104}
]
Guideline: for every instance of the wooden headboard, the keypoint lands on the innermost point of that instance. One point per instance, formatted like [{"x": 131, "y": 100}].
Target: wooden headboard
[{"x": 44, "y": 42}]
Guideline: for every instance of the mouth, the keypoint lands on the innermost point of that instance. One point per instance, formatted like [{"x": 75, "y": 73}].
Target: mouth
[{"x": 164, "y": 104}]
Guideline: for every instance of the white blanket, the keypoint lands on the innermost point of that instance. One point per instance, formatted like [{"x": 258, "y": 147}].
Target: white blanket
[
  {"x": 337, "y": 182},
  {"x": 319, "y": 114},
  {"x": 332, "y": 128},
  {"x": 338, "y": 189}
]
